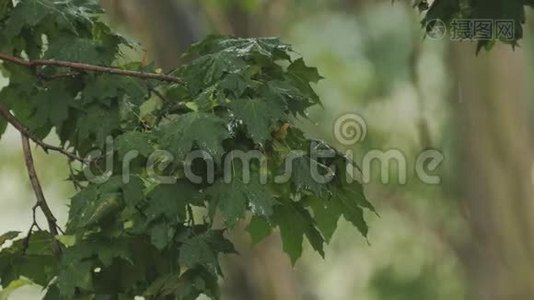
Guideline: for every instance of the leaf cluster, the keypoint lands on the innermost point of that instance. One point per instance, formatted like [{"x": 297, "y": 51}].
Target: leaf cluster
[
  {"x": 493, "y": 10},
  {"x": 131, "y": 235}
]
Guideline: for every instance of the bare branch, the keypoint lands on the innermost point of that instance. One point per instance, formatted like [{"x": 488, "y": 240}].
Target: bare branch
[
  {"x": 89, "y": 68},
  {"x": 41, "y": 201},
  {"x": 4, "y": 112}
]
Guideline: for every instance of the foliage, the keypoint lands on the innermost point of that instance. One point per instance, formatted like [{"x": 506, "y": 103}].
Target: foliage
[
  {"x": 131, "y": 235},
  {"x": 448, "y": 10}
]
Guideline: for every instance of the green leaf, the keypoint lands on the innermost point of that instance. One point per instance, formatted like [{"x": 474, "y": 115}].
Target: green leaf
[
  {"x": 203, "y": 250},
  {"x": 269, "y": 49},
  {"x": 33, "y": 260},
  {"x": 236, "y": 84},
  {"x": 67, "y": 240},
  {"x": 79, "y": 262},
  {"x": 326, "y": 215},
  {"x": 135, "y": 141},
  {"x": 444, "y": 10},
  {"x": 133, "y": 191},
  {"x": 259, "y": 229},
  {"x": 97, "y": 123},
  {"x": 102, "y": 209},
  {"x": 297, "y": 100},
  {"x": 108, "y": 89},
  {"x": 160, "y": 235},
  {"x": 307, "y": 74},
  {"x": 169, "y": 201},
  {"x": 40, "y": 243},
  {"x": 74, "y": 274},
  {"x": 260, "y": 116},
  {"x": 351, "y": 201},
  {"x": 57, "y": 101},
  {"x": 8, "y": 236},
  {"x": 260, "y": 199},
  {"x": 109, "y": 249},
  {"x": 181, "y": 133},
  {"x": 294, "y": 224},
  {"x": 80, "y": 50},
  {"x": 292, "y": 230},
  {"x": 233, "y": 199},
  {"x": 13, "y": 286},
  {"x": 188, "y": 286},
  {"x": 27, "y": 13},
  {"x": 210, "y": 68},
  {"x": 166, "y": 209},
  {"x": 98, "y": 205},
  {"x": 302, "y": 178}
]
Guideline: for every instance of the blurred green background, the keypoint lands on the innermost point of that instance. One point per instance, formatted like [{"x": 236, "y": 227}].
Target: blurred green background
[{"x": 431, "y": 241}]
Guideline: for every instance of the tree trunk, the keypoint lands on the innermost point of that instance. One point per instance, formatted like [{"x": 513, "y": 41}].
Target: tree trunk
[
  {"x": 494, "y": 171},
  {"x": 166, "y": 27}
]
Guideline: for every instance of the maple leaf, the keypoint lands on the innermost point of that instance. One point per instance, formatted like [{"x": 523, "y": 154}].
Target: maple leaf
[
  {"x": 180, "y": 133},
  {"x": 233, "y": 199},
  {"x": 259, "y": 115}
]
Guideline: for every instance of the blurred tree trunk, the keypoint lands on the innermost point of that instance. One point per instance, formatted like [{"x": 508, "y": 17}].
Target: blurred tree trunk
[
  {"x": 166, "y": 27},
  {"x": 262, "y": 272},
  {"x": 494, "y": 175},
  {"x": 234, "y": 20}
]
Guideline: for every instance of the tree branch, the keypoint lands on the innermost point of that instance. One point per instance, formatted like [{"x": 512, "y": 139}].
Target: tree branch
[
  {"x": 26, "y": 243},
  {"x": 36, "y": 185},
  {"x": 89, "y": 68},
  {"x": 4, "y": 112}
]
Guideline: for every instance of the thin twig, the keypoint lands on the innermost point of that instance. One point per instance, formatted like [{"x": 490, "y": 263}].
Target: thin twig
[
  {"x": 41, "y": 201},
  {"x": 4, "y": 112},
  {"x": 60, "y": 230},
  {"x": 89, "y": 68},
  {"x": 77, "y": 186},
  {"x": 191, "y": 216},
  {"x": 26, "y": 242}
]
